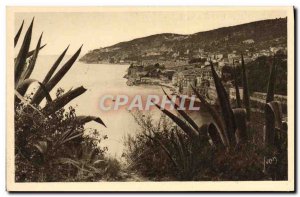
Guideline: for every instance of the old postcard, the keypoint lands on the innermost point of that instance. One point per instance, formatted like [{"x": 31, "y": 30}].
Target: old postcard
[{"x": 150, "y": 99}]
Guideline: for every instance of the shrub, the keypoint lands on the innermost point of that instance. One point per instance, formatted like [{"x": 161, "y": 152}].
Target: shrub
[
  {"x": 161, "y": 151},
  {"x": 44, "y": 142}
]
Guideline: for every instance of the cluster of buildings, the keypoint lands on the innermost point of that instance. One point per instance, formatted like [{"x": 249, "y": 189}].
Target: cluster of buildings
[
  {"x": 202, "y": 80},
  {"x": 181, "y": 81},
  {"x": 179, "y": 58},
  {"x": 196, "y": 74},
  {"x": 148, "y": 74},
  {"x": 223, "y": 59}
]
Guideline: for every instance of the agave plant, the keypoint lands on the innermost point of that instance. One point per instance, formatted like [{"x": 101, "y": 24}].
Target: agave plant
[
  {"x": 25, "y": 63},
  {"x": 275, "y": 125},
  {"x": 237, "y": 91},
  {"x": 224, "y": 128},
  {"x": 230, "y": 127},
  {"x": 23, "y": 71},
  {"x": 246, "y": 97}
]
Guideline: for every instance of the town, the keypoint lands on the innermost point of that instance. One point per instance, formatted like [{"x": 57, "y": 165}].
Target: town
[{"x": 184, "y": 72}]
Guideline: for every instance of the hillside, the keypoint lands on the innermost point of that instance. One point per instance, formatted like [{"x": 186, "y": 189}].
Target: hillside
[{"x": 253, "y": 36}]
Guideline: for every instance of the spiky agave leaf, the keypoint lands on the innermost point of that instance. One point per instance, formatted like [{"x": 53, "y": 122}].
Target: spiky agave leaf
[
  {"x": 64, "y": 136},
  {"x": 216, "y": 117},
  {"x": 20, "y": 61},
  {"x": 182, "y": 113},
  {"x": 72, "y": 137},
  {"x": 58, "y": 76},
  {"x": 272, "y": 81},
  {"x": 269, "y": 128},
  {"x": 30, "y": 53},
  {"x": 186, "y": 128},
  {"x": 86, "y": 119},
  {"x": 42, "y": 147},
  {"x": 63, "y": 100},
  {"x": 55, "y": 65},
  {"x": 246, "y": 97},
  {"x": 18, "y": 34},
  {"x": 65, "y": 68},
  {"x": 71, "y": 162},
  {"x": 174, "y": 162},
  {"x": 213, "y": 133},
  {"x": 98, "y": 161},
  {"x": 19, "y": 96},
  {"x": 276, "y": 106},
  {"x": 67, "y": 136},
  {"x": 181, "y": 140},
  {"x": 274, "y": 131},
  {"x": 240, "y": 116},
  {"x": 237, "y": 91},
  {"x": 226, "y": 110},
  {"x": 39, "y": 92},
  {"x": 26, "y": 74},
  {"x": 178, "y": 146},
  {"x": 22, "y": 88}
]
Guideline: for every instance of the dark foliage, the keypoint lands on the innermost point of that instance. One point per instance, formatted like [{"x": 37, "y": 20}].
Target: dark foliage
[{"x": 259, "y": 82}]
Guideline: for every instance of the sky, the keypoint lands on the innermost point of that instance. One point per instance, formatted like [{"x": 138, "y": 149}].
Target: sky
[{"x": 101, "y": 29}]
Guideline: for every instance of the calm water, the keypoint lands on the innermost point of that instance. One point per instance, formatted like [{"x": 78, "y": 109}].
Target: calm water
[{"x": 100, "y": 79}]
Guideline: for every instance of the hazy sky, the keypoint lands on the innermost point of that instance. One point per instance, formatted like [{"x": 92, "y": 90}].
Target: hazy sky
[{"x": 95, "y": 30}]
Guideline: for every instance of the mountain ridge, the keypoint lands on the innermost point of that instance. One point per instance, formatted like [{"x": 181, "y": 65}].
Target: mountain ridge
[{"x": 169, "y": 46}]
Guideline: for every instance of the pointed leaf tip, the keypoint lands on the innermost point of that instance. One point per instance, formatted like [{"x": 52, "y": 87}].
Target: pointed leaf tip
[
  {"x": 18, "y": 34},
  {"x": 31, "y": 24},
  {"x": 22, "y": 55},
  {"x": 40, "y": 38}
]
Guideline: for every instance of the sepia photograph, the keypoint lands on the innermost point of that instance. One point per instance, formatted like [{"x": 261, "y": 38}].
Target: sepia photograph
[{"x": 150, "y": 99}]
